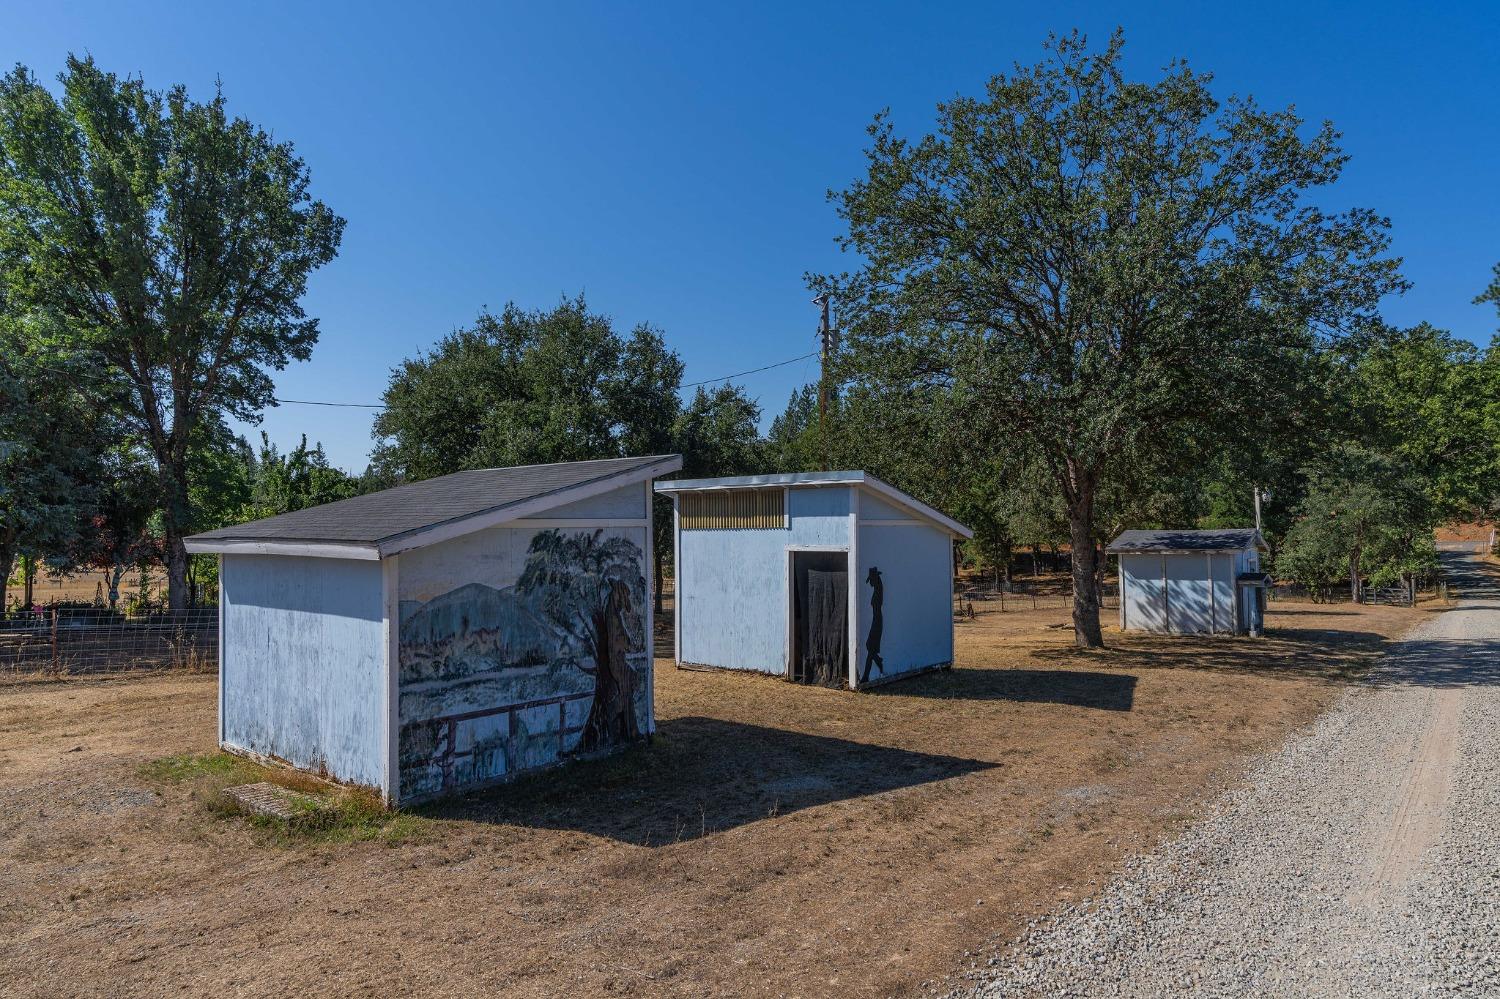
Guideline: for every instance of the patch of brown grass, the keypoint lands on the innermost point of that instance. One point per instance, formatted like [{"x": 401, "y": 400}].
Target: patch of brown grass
[{"x": 772, "y": 840}]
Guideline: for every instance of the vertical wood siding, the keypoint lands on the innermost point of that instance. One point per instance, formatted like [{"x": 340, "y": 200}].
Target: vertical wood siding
[{"x": 304, "y": 662}]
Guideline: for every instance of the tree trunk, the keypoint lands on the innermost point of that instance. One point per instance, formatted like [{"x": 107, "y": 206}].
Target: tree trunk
[
  {"x": 1354, "y": 593},
  {"x": 657, "y": 570},
  {"x": 611, "y": 717},
  {"x": 176, "y": 515},
  {"x": 177, "y": 570},
  {"x": 116, "y": 573},
  {"x": 28, "y": 578},
  {"x": 7, "y": 559},
  {"x": 1086, "y": 632}
]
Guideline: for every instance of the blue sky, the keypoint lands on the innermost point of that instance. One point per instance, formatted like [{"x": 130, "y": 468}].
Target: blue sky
[{"x": 670, "y": 161}]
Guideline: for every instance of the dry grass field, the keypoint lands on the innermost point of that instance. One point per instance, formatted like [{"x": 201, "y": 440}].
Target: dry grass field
[
  {"x": 774, "y": 840},
  {"x": 84, "y": 587}
]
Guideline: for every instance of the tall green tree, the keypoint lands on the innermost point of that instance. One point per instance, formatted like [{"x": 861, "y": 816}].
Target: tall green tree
[
  {"x": 718, "y": 434},
  {"x": 527, "y": 387},
  {"x": 171, "y": 240},
  {"x": 50, "y": 454},
  {"x": 1421, "y": 396},
  {"x": 646, "y": 406},
  {"x": 1120, "y": 271},
  {"x": 793, "y": 443},
  {"x": 300, "y": 478},
  {"x": 1367, "y": 515}
]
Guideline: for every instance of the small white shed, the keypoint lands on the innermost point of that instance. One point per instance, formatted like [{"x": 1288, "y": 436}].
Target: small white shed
[
  {"x": 445, "y": 634},
  {"x": 827, "y": 578},
  {"x": 1192, "y": 582}
]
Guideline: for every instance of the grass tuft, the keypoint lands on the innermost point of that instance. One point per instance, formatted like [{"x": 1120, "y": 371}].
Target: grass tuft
[{"x": 330, "y": 814}]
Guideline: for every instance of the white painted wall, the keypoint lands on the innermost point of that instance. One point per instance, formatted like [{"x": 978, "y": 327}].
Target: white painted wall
[
  {"x": 915, "y": 566},
  {"x": 303, "y": 663},
  {"x": 732, "y": 584},
  {"x": 1185, "y": 594},
  {"x": 1143, "y": 593}
]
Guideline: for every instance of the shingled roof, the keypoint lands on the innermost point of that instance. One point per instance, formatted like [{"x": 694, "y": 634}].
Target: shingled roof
[
  {"x": 391, "y": 520},
  {"x": 1226, "y": 539}
]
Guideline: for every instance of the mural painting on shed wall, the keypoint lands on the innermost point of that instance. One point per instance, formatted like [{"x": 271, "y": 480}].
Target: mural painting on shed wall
[{"x": 496, "y": 679}]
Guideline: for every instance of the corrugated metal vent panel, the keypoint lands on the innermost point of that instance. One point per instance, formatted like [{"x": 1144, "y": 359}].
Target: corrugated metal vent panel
[{"x": 733, "y": 509}]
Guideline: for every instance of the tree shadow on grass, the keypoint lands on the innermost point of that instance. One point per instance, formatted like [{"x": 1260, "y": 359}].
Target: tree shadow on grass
[
  {"x": 1073, "y": 688},
  {"x": 1293, "y": 653},
  {"x": 701, "y": 776}
]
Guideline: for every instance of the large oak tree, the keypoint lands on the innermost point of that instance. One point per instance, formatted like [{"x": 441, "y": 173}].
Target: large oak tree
[
  {"x": 171, "y": 241},
  {"x": 1106, "y": 274}
]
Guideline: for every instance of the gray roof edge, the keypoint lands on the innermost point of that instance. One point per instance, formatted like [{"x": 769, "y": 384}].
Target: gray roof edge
[
  {"x": 650, "y": 465},
  {"x": 843, "y": 478},
  {"x": 847, "y": 477},
  {"x": 1123, "y": 542},
  {"x": 645, "y": 467}
]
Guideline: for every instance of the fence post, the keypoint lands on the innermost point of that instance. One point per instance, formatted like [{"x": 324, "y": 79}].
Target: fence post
[
  {"x": 56, "y": 665},
  {"x": 1002, "y": 600}
]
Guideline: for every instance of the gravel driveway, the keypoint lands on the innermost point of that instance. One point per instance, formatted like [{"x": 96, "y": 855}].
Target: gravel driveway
[{"x": 1363, "y": 859}]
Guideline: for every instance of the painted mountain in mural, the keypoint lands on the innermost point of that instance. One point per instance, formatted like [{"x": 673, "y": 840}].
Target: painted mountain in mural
[{"x": 477, "y": 629}]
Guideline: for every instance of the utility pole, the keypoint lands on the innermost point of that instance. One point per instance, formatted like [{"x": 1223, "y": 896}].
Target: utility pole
[{"x": 827, "y": 345}]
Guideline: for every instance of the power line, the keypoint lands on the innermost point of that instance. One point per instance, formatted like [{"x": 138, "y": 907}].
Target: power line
[
  {"x": 380, "y": 405},
  {"x": 319, "y": 402},
  {"x": 741, "y": 374},
  {"x": 706, "y": 381}
]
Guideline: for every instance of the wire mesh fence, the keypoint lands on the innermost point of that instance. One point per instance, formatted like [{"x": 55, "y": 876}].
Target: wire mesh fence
[
  {"x": 99, "y": 640},
  {"x": 1398, "y": 595},
  {"x": 1021, "y": 598}
]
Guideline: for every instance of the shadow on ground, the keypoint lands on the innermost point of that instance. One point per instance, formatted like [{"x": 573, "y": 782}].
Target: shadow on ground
[
  {"x": 1441, "y": 662},
  {"x": 1074, "y": 688},
  {"x": 1302, "y": 653},
  {"x": 701, "y": 776}
]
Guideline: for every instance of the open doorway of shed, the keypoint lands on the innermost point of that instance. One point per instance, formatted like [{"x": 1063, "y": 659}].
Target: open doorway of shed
[{"x": 819, "y": 617}]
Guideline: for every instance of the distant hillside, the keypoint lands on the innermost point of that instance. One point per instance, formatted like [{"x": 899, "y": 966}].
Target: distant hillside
[{"x": 475, "y": 629}]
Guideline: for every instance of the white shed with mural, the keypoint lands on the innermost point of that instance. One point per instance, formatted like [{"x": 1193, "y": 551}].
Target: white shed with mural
[
  {"x": 829, "y": 578},
  {"x": 1192, "y": 582},
  {"x": 446, "y": 634}
]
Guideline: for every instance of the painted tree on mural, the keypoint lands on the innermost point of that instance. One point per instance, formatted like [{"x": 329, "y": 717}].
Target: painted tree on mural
[{"x": 592, "y": 585}]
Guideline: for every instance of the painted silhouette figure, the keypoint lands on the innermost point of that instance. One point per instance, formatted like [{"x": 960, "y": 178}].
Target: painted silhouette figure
[{"x": 877, "y": 625}]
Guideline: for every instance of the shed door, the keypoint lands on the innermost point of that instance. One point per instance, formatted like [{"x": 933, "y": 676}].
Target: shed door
[
  {"x": 1189, "y": 597},
  {"x": 820, "y": 625},
  {"x": 1145, "y": 599}
]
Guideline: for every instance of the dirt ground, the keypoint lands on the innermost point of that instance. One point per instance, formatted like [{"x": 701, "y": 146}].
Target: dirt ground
[
  {"x": 774, "y": 840},
  {"x": 1471, "y": 531}
]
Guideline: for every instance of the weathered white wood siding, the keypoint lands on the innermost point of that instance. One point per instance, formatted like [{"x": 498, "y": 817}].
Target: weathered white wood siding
[
  {"x": 732, "y": 584},
  {"x": 916, "y": 566},
  {"x": 1189, "y": 593},
  {"x": 1223, "y": 598},
  {"x": 1143, "y": 593},
  {"x": 1189, "y": 610},
  {"x": 303, "y": 667}
]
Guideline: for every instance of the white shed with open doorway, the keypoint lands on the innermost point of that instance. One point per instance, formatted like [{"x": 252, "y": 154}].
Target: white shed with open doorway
[
  {"x": 1202, "y": 582},
  {"x": 831, "y": 578}
]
